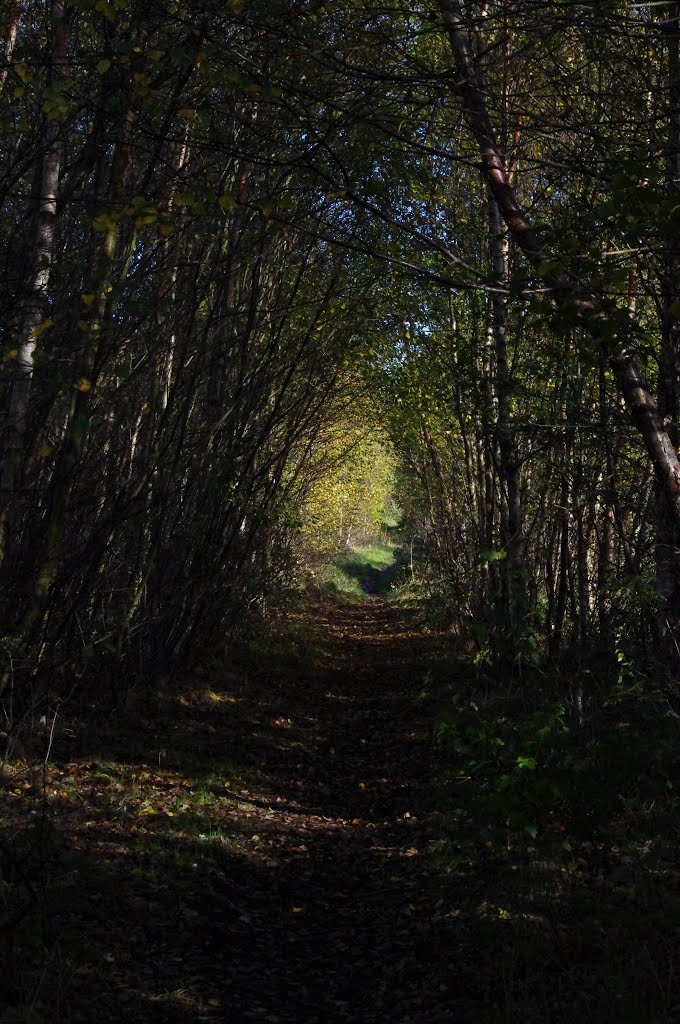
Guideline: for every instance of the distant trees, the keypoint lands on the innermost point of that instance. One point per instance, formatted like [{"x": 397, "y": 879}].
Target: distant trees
[{"x": 352, "y": 491}]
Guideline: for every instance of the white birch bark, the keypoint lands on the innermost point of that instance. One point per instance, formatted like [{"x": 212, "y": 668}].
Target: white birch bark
[{"x": 35, "y": 305}]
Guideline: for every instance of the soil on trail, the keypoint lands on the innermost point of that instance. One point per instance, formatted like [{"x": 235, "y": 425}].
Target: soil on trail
[
  {"x": 256, "y": 848},
  {"x": 343, "y": 928}
]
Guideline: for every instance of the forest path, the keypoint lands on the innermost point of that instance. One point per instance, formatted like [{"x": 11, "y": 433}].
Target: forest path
[
  {"x": 256, "y": 842},
  {"x": 341, "y": 924},
  {"x": 250, "y": 846}
]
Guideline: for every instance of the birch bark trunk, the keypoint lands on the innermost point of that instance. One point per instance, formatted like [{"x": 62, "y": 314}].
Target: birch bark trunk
[
  {"x": 509, "y": 470},
  {"x": 10, "y": 42},
  {"x": 667, "y": 547},
  {"x": 33, "y": 320}
]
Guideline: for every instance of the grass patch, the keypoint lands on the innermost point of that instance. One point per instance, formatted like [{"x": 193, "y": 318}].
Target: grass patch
[
  {"x": 335, "y": 582},
  {"x": 372, "y": 557},
  {"x": 363, "y": 570}
]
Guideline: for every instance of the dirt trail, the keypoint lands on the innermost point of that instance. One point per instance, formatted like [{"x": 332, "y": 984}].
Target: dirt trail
[
  {"x": 251, "y": 849},
  {"x": 345, "y": 922}
]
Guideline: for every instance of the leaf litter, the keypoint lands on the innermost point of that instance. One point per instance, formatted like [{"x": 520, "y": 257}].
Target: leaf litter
[{"x": 251, "y": 849}]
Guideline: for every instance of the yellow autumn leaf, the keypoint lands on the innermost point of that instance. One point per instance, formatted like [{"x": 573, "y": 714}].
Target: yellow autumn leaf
[
  {"x": 214, "y": 1002},
  {"x": 87, "y": 298},
  {"x": 103, "y": 66},
  {"x": 104, "y": 222},
  {"x": 12, "y": 353},
  {"x": 41, "y": 328},
  {"x": 44, "y": 451},
  {"x": 296, "y": 910},
  {"x": 83, "y": 384}
]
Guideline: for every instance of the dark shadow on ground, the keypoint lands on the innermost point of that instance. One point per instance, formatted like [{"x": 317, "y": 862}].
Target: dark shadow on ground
[
  {"x": 256, "y": 846},
  {"x": 373, "y": 579}
]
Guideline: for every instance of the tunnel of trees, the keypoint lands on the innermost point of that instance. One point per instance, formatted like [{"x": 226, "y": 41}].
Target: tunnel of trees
[
  {"x": 273, "y": 272},
  {"x": 231, "y": 233}
]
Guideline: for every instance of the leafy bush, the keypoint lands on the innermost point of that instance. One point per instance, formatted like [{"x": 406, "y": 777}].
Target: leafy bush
[{"x": 531, "y": 771}]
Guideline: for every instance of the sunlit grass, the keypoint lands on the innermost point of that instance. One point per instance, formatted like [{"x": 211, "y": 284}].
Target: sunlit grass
[
  {"x": 363, "y": 569},
  {"x": 373, "y": 556}
]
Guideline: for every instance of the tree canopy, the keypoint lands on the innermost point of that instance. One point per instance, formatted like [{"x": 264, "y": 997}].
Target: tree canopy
[{"x": 222, "y": 224}]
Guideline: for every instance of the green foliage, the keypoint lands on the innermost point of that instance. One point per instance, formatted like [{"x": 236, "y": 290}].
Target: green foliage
[
  {"x": 530, "y": 767},
  {"x": 560, "y": 842},
  {"x": 351, "y": 496},
  {"x": 514, "y": 763},
  {"x": 363, "y": 569}
]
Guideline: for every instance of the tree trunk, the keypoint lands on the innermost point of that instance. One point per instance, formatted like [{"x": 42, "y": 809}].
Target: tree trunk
[
  {"x": 10, "y": 41},
  {"x": 667, "y": 547},
  {"x": 33, "y": 321},
  {"x": 104, "y": 248},
  {"x": 509, "y": 471}
]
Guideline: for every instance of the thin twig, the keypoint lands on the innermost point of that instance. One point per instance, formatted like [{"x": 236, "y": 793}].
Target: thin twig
[{"x": 49, "y": 744}]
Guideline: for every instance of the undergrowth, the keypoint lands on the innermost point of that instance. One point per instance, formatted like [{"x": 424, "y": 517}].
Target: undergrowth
[
  {"x": 562, "y": 846},
  {"x": 113, "y": 838}
]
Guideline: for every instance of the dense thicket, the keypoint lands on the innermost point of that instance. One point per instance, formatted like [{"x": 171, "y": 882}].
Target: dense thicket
[
  {"x": 532, "y": 409},
  {"x": 221, "y": 223},
  {"x": 173, "y": 355}
]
